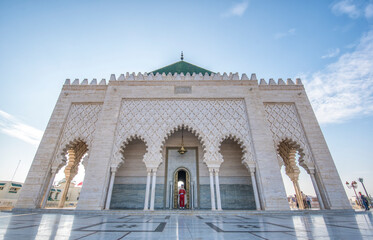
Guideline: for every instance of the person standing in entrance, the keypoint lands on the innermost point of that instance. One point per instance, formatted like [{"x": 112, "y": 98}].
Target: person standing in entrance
[{"x": 182, "y": 197}]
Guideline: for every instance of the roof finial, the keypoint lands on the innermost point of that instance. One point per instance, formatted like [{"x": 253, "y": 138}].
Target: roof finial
[{"x": 182, "y": 56}]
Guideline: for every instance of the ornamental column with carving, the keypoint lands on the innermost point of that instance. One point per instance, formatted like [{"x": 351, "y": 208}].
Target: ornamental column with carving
[
  {"x": 70, "y": 172},
  {"x": 292, "y": 170}
]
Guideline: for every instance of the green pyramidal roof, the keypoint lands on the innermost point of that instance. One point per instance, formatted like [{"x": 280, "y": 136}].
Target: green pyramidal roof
[{"x": 182, "y": 67}]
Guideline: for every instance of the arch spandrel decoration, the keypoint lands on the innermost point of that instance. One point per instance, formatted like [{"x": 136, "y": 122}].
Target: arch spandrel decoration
[
  {"x": 155, "y": 119},
  {"x": 285, "y": 125},
  {"x": 80, "y": 126}
]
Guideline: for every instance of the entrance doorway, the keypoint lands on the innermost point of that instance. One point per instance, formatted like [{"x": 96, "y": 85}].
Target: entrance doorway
[{"x": 181, "y": 177}]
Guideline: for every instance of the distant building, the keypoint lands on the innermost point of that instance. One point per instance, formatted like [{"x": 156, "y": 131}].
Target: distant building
[
  {"x": 9, "y": 192},
  {"x": 72, "y": 196}
]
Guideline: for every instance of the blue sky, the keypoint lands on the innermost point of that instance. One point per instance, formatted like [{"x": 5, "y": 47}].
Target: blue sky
[{"x": 329, "y": 44}]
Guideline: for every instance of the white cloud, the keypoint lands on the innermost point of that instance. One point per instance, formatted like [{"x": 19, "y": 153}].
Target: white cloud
[
  {"x": 346, "y": 7},
  {"x": 369, "y": 11},
  {"x": 285, "y": 34},
  {"x": 13, "y": 127},
  {"x": 344, "y": 89},
  {"x": 331, "y": 53},
  {"x": 236, "y": 10}
]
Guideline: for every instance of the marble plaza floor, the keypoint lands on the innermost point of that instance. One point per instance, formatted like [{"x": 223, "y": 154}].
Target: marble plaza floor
[{"x": 186, "y": 226}]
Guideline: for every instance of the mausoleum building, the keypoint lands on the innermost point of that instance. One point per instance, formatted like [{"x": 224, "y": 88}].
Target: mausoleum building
[{"x": 224, "y": 136}]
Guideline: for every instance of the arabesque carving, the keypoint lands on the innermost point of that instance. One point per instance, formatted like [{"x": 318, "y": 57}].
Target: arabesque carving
[
  {"x": 286, "y": 127},
  {"x": 79, "y": 127},
  {"x": 155, "y": 120}
]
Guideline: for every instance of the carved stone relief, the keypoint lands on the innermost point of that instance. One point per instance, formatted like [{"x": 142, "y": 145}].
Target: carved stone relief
[
  {"x": 155, "y": 120},
  {"x": 285, "y": 125},
  {"x": 79, "y": 127}
]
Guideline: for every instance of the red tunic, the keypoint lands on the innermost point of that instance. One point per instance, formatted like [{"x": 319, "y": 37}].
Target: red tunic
[{"x": 182, "y": 197}]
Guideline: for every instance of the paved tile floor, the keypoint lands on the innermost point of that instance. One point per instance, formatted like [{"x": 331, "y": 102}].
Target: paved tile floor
[{"x": 90, "y": 226}]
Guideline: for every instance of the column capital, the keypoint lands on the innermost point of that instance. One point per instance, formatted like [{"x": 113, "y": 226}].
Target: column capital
[
  {"x": 113, "y": 169},
  {"x": 151, "y": 169}
]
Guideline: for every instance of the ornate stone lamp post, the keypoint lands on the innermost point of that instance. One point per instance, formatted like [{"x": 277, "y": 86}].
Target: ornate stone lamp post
[
  {"x": 353, "y": 185},
  {"x": 362, "y": 183}
]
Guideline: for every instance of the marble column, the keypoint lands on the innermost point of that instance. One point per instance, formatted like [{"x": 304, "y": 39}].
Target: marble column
[
  {"x": 255, "y": 187},
  {"x": 146, "y": 204},
  {"x": 217, "y": 185},
  {"x": 65, "y": 191},
  {"x": 50, "y": 184},
  {"x": 212, "y": 189},
  {"x": 316, "y": 187},
  {"x": 70, "y": 172},
  {"x": 299, "y": 193},
  {"x": 292, "y": 170},
  {"x": 110, "y": 190},
  {"x": 152, "y": 197}
]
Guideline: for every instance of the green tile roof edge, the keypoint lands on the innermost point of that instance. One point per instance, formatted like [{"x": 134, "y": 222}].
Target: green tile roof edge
[
  {"x": 198, "y": 69},
  {"x": 16, "y": 185},
  {"x": 2, "y": 184}
]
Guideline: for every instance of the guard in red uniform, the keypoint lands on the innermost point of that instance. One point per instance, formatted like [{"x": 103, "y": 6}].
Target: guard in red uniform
[{"x": 182, "y": 197}]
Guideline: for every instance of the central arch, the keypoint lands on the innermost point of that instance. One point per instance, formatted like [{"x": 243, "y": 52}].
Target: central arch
[{"x": 192, "y": 162}]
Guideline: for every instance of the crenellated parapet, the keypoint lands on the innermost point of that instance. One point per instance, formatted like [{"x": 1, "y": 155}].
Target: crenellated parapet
[
  {"x": 280, "y": 82},
  {"x": 85, "y": 82},
  {"x": 187, "y": 77}
]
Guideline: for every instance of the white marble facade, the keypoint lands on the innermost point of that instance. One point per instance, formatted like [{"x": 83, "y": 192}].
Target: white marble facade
[{"x": 105, "y": 119}]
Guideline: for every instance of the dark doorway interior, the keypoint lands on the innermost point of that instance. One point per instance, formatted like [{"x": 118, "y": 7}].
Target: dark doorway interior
[{"x": 181, "y": 177}]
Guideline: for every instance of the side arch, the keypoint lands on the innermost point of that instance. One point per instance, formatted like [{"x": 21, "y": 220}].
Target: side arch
[
  {"x": 287, "y": 144},
  {"x": 246, "y": 157},
  {"x": 117, "y": 162},
  {"x": 80, "y": 146},
  {"x": 236, "y": 175}
]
